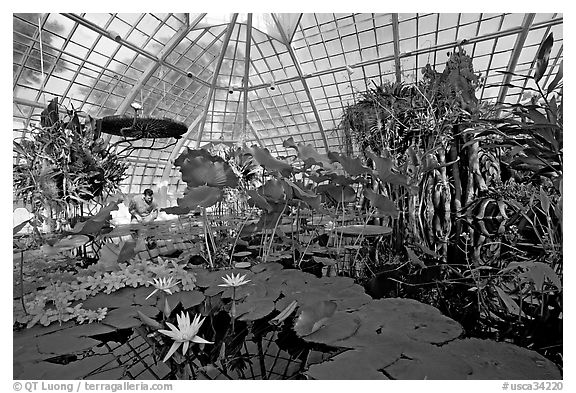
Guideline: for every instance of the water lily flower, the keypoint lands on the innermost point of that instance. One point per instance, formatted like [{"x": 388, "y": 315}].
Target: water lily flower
[
  {"x": 234, "y": 281},
  {"x": 185, "y": 333},
  {"x": 162, "y": 284}
]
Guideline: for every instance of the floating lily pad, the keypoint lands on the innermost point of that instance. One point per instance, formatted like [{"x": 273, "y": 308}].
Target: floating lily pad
[
  {"x": 186, "y": 298},
  {"x": 268, "y": 266},
  {"x": 121, "y": 298},
  {"x": 255, "y": 309},
  {"x": 89, "y": 329},
  {"x": 498, "y": 360},
  {"x": 242, "y": 265},
  {"x": 414, "y": 319},
  {"x": 62, "y": 343},
  {"x": 214, "y": 290},
  {"x": 338, "y": 327},
  {"x": 366, "y": 230},
  {"x": 126, "y": 317},
  {"x": 425, "y": 361},
  {"x": 350, "y": 365}
]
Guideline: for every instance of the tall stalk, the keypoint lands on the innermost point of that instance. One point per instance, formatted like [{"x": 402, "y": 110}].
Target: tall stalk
[{"x": 206, "y": 238}]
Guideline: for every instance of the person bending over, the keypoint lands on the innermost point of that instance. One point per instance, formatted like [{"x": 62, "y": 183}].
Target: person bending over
[{"x": 142, "y": 207}]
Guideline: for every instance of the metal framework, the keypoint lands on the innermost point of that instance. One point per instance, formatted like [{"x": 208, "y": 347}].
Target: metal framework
[{"x": 319, "y": 63}]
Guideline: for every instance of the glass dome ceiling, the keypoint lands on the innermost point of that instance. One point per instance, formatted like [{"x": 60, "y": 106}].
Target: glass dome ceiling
[{"x": 254, "y": 78}]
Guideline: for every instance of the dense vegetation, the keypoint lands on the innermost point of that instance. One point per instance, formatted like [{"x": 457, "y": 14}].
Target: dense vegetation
[{"x": 449, "y": 205}]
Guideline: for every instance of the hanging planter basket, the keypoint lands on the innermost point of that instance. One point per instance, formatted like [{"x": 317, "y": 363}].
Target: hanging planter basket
[{"x": 143, "y": 127}]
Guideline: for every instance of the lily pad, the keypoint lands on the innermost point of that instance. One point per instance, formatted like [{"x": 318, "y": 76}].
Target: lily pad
[
  {"x": 62, "y": 343},
  {"x": 126, "y": 317},
  {"x": 425, "y": 361},
  {"x": 338, "y": 327},
  {"x": 366, "y": 230},
  {"x": 350, "y": 365},
  {"x": 186, "y": 298},
  {"x": 416, "y": 320},
  {"x": 498, "y": 360},
  {"x": 89, "y": 329},
  {"x": 242, "y": 265},
  {"x": 121, "y": 298},
  {"x": 256, "y": 309}
]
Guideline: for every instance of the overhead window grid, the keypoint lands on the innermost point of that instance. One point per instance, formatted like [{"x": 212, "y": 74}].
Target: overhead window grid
[{"x": 285, "y": 91}]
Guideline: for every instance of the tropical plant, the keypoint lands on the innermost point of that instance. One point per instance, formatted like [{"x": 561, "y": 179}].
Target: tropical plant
[{"x": 62, "y": 165}]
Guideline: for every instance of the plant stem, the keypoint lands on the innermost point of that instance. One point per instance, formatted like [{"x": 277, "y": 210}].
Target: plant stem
[
  {"x": 206, "y": 238},
  {"x": 261, "y": 358},
  {"x": 233, "y": 308},
  {"x": 274, "y": 231},
  {"x": 237, "y": 237},
  {"x": 22, "y": 281}
]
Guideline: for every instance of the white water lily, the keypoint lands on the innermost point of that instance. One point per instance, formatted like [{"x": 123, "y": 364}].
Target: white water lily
[
  {"x": 185, "y": 333},
  {"x": 162, "y": 284},
  {"x": 234, "y": 281}
]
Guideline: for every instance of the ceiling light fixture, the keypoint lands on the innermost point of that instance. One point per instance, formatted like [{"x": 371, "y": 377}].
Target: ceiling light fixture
[
  {"x": 349, "y": 69},
  {"x": 273, "y": 85}
]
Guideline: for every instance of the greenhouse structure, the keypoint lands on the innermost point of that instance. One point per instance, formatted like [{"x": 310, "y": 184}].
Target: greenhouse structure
[{"x": 304, "y": 196}]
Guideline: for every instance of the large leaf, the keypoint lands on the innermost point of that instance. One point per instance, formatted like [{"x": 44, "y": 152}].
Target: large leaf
[
  {"x": 258, "y": 200},
  {"x": 95, "y": 223},
  {"x": 265, "y": 159},
  {"x": 310, "y": 156},
  {"x": 537, "y": 273},
  {"x": 199, "y": 168},
  {"x": 339, "y": 194},
  {"x": 543, "y": 56},
  {"x": 274, "y": 190},
  {"x": 384, "y": 168},
  {"x": 384, "y": 205},
  {"x": 339, "y": 326},
  {"x": 353, "y": 166},
  {"x": 510, "y": 304},
  {"x": 203, "y": 196},
  {"x": 65, "y": 244},
  {"x": 307, "y": 196},
  {"x": 500, "y": 360}
]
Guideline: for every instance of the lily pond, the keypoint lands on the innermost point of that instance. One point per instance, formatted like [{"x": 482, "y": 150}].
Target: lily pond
[{"x": 153, "y": 308}]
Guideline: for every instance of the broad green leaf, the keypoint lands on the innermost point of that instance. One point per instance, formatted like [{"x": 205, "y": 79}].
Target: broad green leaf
[
  {"x": 352, "y": 166},
  {"x": 384, "y": 205},
  {"x": 557, "y": 78},
  {"x": 510, "y": 304},
  {"x": 543, "y": 56},
  {"x": 200, "y": 168},
  {"x": 339, "y": 194},
  {"x": 203, "y": 196},
  {"x": 265, "y": 159},
  {"x": 95, "y": 223},
  {"x": 258, "y": 200}
]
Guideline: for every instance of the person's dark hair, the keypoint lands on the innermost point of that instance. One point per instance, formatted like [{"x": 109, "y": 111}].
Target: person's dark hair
[{"x": 148, "y": 192}]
